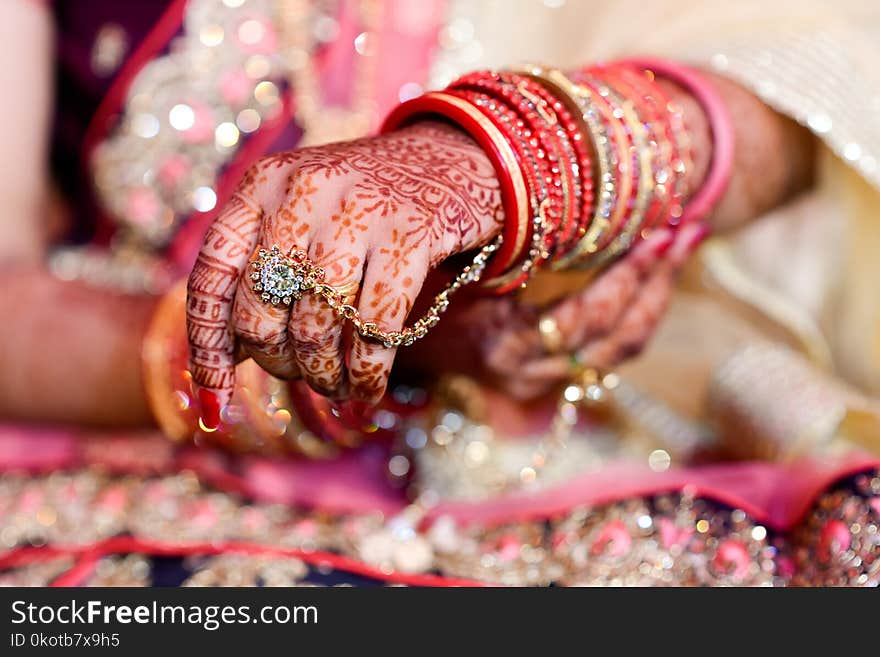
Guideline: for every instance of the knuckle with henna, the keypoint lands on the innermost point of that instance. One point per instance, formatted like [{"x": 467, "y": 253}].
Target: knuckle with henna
[
  {"x": 370, "y": 388},
  {"x": 308, "y": 340},
  {"x": 327, "y": 386},
  {"x": 368, "y": 376},
  {"x": 602, "y": 319},
  {"x": 258, "y": 337},
  {"x": 627, "y": 350},
  {"x": 256, "y": 175}
]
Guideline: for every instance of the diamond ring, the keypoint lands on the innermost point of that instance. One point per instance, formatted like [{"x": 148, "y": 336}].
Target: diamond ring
[{"x": 282, "y": 279}]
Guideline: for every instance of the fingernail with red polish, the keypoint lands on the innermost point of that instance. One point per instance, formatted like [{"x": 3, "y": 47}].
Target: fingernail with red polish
[
  {"x": 359, "y": 409},
  {"x": 209, "y": 404},
  {"x": 696, "y": 238},
  {"x": 662, "y": 244}
]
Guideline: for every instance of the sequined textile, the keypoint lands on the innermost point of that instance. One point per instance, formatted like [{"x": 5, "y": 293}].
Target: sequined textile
[{"x": 49, "y": 524}]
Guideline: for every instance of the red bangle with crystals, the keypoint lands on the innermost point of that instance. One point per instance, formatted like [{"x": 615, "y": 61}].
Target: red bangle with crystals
[
  {"x": 602, "y": 235},
  {"x": 578, "y": 162},
  {"x": 514, "y": 193},
  {"x": 675, "y": 138},
  {"x": 641, "y": 159},
  {"x": 583, "y": 104},
  {"x": 538, "y": 141},
  {"x": 603, "y": 129},
  {"x": 712, "y": 189}
]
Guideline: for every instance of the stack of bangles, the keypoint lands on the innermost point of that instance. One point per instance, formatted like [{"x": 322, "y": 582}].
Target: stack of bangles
[{"x": 589, "y": 162}]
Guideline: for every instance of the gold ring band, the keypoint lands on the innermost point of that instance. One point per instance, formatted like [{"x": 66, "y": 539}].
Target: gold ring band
[{"x": 551, "y": 336}]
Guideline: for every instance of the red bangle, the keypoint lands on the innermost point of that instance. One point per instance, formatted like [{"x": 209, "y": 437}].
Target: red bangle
[
  {"x": 571, "y": 182},
  {"x": 544, "y": 158},
  {"x": 579, "y": 164},
  {"x": 537, "y": 173},
  {"x": 514, "y": 195},
  {"x": 639, "y": 157},
  {"x": 672, "y": 178},
  {"x": 606, "y": 137},
  {"x": 720, "y": 124},
  {"x": 537, "y": 133}
]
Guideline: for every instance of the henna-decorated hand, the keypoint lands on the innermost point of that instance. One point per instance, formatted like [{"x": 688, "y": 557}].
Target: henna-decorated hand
[
  {"x": 608, "y": 322},
  {"x": 377, "y": 214},
  {"x": 601, "y": 325}
]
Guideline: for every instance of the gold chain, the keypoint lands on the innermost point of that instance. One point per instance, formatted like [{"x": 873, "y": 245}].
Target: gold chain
[{"x": 295, "y": 274}]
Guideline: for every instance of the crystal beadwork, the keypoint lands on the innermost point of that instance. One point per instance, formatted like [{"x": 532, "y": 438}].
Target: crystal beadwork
[{"x": 280, "y": 279}]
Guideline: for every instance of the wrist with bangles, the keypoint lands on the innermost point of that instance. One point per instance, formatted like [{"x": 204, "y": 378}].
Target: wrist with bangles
[
  {"x": 588, "y": 163},
  {"x": 542, "y": 131},
  {"x": 602, "y": 149}
]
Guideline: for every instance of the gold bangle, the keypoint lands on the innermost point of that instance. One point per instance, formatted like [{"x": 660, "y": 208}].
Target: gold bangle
[
  {"x": 579, "y": 101},
  {"x": 583, "y": 256},
  {"x": 644, "y": 185}
]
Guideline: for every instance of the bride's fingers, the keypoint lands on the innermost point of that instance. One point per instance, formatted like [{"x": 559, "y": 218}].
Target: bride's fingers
[
  {"x": 261, "y": 328},
  {"x": 211, "y": 289},
  {"x": 587, "y": 316},
  {"x": 314, "y": 329},
  {"x": 505, "y": 354},
  {"x": 637, "y": 321},
  {"x": 640, "y": 320},
  {"x": 595, "y": 311},
  {"x": 390, "y": 286}
]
